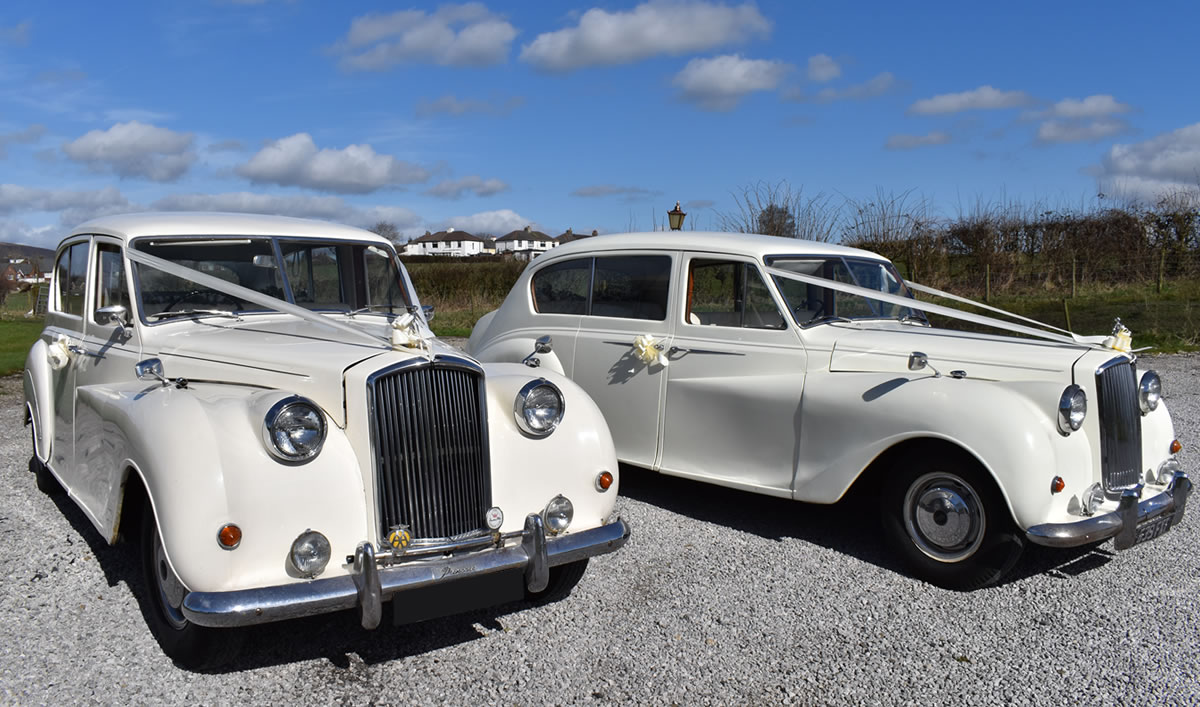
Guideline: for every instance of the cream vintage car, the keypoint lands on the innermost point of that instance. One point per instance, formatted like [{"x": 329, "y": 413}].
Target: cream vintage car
[
  {"x": 800, "y": 369},
  {"x": 259, "y": 401}
]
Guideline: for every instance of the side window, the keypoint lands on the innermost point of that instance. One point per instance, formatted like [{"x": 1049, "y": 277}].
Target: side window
[
  {"x": 314, "y": 275},
  {"x": 631, "y": 286},
  {"x": 110, "y": 279},
  {"x": 729, "y": 293},
  {"x": 71, "y": 275},
  {"x": 562, "y": 288}
]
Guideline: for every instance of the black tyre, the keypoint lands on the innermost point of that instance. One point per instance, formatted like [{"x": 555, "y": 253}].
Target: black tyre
[
  {"x": 946, "y": 520},
  {"x": 46, "y": 482},
  {"x": 190, "y": 646},
  {"x": 562, "y": 580}
]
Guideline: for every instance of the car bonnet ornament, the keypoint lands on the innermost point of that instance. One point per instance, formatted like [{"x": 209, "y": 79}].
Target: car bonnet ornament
[
  {"x": 1121, "y": 338},
  {"x": 406, "y": 333}
]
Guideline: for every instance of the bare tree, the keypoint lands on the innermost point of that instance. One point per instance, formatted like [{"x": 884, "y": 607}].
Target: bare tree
[
  {"x": 388, "y": 230},
  {"x": 779, "y": 210}
]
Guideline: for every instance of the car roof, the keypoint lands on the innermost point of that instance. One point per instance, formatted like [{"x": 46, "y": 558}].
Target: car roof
[
  {"x": 749, "y": 244},
  {"x": 183, "y": 223}
]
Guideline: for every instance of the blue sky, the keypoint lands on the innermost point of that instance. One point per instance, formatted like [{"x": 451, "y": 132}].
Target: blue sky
[{"x": 491, "y": 116}]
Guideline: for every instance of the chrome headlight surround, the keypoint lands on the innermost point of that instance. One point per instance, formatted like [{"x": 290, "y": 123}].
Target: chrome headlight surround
[
  {"x": 310, "y": 553},
  {"x": 294, "y": 430},
  {"x": 1149, "y": 392},
  {"x": 1072, "y": 409},
  {"x": 539, "y": 407},
  {"x": 558, "y": 514}
]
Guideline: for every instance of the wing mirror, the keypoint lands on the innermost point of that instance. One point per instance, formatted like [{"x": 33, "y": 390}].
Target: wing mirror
[
  {"x": 918, "y": 361},
  {"x": 543, "y": 345},
  {"x": 427, "y": 310},
  {"x": 152, "y": 370}
]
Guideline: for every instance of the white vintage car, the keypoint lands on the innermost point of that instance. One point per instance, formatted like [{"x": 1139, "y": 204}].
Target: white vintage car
[
  {"x": 260, "y": 401},
  {"x": 800, "y": 369}
]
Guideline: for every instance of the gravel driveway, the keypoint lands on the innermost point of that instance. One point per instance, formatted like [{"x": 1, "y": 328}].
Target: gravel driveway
[{"x": 719, "y": 597}]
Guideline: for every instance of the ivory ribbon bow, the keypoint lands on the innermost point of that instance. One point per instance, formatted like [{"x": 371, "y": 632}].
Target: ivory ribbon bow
[
  {"x": 649, "y": 350},
  {"x": 57, "y": 352},
  {"x": 406, "y": 332}
]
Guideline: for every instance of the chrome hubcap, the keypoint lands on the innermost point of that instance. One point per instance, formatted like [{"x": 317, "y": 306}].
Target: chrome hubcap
[
  {"x": 944, "y": 517},
  {"x": 170, "y": 590}
]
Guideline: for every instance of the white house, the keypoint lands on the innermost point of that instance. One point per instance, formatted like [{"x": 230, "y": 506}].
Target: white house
[
  {"x": 525, "y": 244},
  {"x": 450, "y": 242}
]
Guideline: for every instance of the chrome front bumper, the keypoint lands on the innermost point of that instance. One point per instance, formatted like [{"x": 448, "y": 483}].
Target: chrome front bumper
[
  {"x": 1133, "y": 521},
  {"x": 368, "y": 585}
]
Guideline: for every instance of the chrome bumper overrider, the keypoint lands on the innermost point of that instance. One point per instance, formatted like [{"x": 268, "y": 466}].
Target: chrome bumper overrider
[
  {"x": 368, "y": 585},
  {"x": 1131, "y": 523}
]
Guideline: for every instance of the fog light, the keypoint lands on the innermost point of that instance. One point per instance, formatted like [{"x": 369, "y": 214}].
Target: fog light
[
  {"x": 603, "y": 481},
  {"x": 495, "y": 518},
  {"x": 558, "y": 514},
  {"x": 1167, "y": 469},
  {"x": 229, "y": 536},
  {"x": 1092, "y": 498},
  {"x": 310, "y": 553}
]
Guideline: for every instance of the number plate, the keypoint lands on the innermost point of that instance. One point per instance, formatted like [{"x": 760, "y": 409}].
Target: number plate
[{"x": 1153, "y": 528}]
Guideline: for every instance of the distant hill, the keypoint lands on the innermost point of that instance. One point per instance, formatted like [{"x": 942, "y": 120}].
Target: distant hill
[{"x": 44, "y": 257}]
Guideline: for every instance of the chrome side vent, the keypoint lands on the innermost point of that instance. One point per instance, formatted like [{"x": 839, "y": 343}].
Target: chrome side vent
[
  {"x": 429, "y": 431},
  {"x": 1120, "y": 424}
]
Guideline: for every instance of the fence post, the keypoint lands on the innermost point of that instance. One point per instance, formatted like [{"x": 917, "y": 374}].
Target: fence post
[
  {"x": 1072, "y": 279},
  {"x": 1162, "y": 265},
  {"x": 1067, "y": 314},
  {"x": 987, "y": 282}
]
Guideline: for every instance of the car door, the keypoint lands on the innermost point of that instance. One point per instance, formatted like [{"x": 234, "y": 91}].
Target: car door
[
  {"x": 106, "y": 355},
  {"x": 735, "y": 380},
  {"x": 629, "y": 297},
  {"x": 64, "y": 333}
]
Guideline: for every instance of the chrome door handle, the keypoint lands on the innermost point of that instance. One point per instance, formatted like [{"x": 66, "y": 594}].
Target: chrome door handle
[
  {"x": 80, "y": 351},
  {"x": 683, "y": 350}
]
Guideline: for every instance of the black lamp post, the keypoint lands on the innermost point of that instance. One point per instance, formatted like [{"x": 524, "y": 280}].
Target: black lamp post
[{"x": 676, "y": 217}]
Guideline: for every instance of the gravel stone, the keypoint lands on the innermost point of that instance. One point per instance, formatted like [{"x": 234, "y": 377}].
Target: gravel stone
[{"x": 720, "y": 597}]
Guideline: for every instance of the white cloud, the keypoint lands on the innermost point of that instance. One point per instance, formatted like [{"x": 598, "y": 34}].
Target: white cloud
[
  {"x": 670, "y": 27},
  {"x": 607, "y": 190},
  {"x": 452, "y": 35},
  {"x": 327, "y": 208},
  {"x": 1164, "y": 163},
  {"x": 719, "y": 83},
  {"x": 134, "y": 149},
  {"x": 72, "y": 206},
  {"x": 455, "y": 188},
  {"x": 28, "y": 136},
  {"x": 496, "y": 223},
  {"x": 876, "y": 86},
  {"x": 1096, "y": 106},
  {"x": 982, "y": 98},
  {"x": 1080, "y": 130},
  {"x": 449, "y": 105},
  {"x": 17, "y": 35},
  {"x": 910, "y": 142},
  {"x": 822, "y": 67},
  {"x": 13, "y": 231},
  {"x": 356, "y": 169}
]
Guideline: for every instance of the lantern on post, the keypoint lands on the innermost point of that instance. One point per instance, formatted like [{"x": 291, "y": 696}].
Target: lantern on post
[{"x": 676, "y": 217}]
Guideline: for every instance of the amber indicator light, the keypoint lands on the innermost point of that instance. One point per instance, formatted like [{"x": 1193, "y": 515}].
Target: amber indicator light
[
  {"x": 1057, "y": 484},
  {"x": 1175, "y": 447},
  {"x": 230, "y": 536},
  {"x": 604, "y": 481}
]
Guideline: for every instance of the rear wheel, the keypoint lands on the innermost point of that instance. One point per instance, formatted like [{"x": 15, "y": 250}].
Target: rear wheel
[
  {"x": 563, "y": 579},
  {"x": 190, "y": 646},
  {"x": 948, "y": 523}
]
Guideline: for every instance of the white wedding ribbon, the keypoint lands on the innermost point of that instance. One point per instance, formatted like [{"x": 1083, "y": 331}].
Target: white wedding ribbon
[
  {"x": 649, "y": 350},
  {"x": 58, "y": 353}
]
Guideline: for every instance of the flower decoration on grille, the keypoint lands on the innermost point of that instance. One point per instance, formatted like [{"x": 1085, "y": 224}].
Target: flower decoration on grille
[{"x": 649, "y": 350}]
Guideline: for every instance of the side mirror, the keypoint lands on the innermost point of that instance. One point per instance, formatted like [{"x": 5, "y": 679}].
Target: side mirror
[
  {"x": 544, "y": 344},
  {"x": 113, "y": 314},
  {"x": 150, "y": 370},
  {"x": 917, "y": 361},
  {"x": 427, "y": 310}
]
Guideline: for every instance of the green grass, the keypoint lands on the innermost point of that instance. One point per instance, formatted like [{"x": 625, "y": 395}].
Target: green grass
[{"x": 16, "y": 336}]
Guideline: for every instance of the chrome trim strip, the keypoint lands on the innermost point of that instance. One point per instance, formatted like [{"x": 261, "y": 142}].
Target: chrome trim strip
[
  {"x": 246, "y": 607},
  {"x": 1121, "y": 523},
  {"x": 1113, "y": 362}
]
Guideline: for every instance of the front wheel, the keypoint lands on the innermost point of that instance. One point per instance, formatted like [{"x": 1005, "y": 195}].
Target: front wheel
[
  {"x": 949, "y": 525},
  {"x": 190, "y": 646},
  {"x": 562, "y": 580},
  {"x": 46, "y": 482}
]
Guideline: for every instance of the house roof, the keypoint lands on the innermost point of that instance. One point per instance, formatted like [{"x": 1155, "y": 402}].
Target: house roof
[
  {"x": 569, "y": 235},
  {"x": 442, "y": 236},
  {"x": 525, "y": 234}
]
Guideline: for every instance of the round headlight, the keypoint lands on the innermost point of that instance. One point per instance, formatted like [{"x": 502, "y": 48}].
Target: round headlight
[
  {"x": 294, "y": 430},
  {"x": 1072, "y": 408},
  {"x": 310, "y": 553},
  {"x": 558, "y": 514},
  {"x": 1092, "y": 498},
  {"x": 1149, "y": 391},
  {"x": 539, "y": 407}
]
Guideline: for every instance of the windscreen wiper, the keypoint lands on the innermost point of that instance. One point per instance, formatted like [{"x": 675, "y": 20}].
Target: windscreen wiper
[{"x": 195, "y": 313}]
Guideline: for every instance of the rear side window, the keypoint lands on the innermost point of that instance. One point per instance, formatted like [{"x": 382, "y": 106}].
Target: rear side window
[
  {"x": 563, "y": 287},
  {"x": 631, "y": 287},
  {"x": 71, "y": 276}
]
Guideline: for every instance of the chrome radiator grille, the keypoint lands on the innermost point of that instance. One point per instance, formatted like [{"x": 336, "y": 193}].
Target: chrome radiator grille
[
  {"x": 1120, "y": 424},
  {"x": 429, "y": 430}
]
